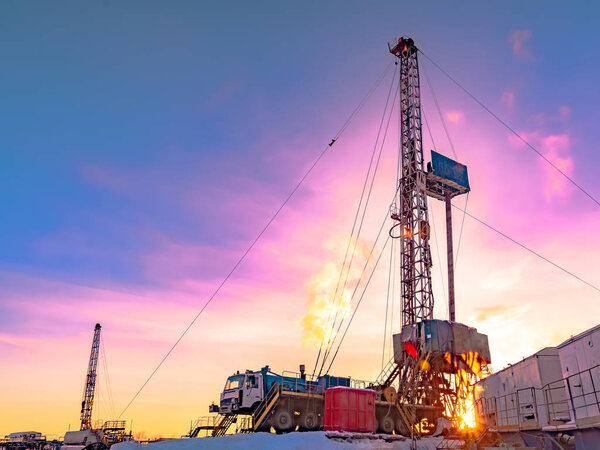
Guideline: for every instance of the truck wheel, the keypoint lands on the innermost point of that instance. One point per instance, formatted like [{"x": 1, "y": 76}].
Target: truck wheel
[
  {"x": 401, "y": 428},
  {"x": 310, "y": 421},
  {"x": 282, "y": 421},
  {"x": 386, "y": 425}
]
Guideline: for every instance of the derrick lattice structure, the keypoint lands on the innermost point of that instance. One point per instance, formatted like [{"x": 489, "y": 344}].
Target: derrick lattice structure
[
  {"x": 410, "y": 209},
  {"x": 436, "y": 361},
  {"x": 90, "y": 382}
]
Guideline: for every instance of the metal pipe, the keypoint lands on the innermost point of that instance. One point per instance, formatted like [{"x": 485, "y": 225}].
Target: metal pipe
[{"x": 450, "y": 257}]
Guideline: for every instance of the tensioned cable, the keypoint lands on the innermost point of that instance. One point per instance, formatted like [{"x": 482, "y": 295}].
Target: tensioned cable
[
  {"x": 387, "y": 303},
  {"x": 395, "y": 252},
  {"x": 509, "y": 128},
  {"x": 362, "y": 195},
  {"x": 328, "y": 349},
  {"x": 357, "y": 305},
  {"x": 439, "y": 110},
  {"x": 364, "y": 99},
  {"x": 428, "y": 129},
  {"x": 111, "y": 404},
  {"x": 273, "y": 217},
  {"x": 461, "y": 231},
  {"x": 437, "y": 249},
  {"x": 432, "y": 90},
  {"x": 529, "y": 250},
  {"x": 362, "y": 273}
]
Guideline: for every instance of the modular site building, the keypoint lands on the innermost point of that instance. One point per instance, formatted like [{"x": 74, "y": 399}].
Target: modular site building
[{"x": 555, "y": 390}]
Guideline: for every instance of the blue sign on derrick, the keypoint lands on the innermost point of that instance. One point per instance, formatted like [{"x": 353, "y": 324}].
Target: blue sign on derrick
[{"x": 444, "y": 175}]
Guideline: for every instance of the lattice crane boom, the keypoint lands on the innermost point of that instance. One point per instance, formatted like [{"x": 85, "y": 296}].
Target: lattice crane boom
[
  {"x": 90, "y": 382},
  {"x": 410, "y": 208}
]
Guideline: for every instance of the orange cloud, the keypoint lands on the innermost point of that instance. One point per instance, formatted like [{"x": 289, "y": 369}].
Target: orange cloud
[{"x": 487, "y": 312}]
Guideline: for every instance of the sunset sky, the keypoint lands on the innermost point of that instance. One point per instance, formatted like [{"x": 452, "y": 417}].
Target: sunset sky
[{"x": 145, "y": 144}]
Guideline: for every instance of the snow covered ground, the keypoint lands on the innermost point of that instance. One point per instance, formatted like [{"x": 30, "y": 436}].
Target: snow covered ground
[{"x": 260, "y": 441}]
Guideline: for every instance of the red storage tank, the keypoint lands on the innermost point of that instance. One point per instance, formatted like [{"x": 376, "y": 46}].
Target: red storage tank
[{"x": 348, "y": 409}]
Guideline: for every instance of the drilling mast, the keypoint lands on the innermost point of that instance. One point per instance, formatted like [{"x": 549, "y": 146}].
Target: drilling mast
[
  {"x": 90, "y": 382},
  {"x": 411, "y": 215},
  {"x": 436, "y": 361}
]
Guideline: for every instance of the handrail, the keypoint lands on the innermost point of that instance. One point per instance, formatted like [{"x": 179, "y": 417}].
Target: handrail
[
  {"x": 260, "y": 413},
  {"x": 386, "y": 372},
  {"x": 557, "y": 399}
]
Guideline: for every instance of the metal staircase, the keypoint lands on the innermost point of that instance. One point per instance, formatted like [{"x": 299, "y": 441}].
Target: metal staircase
[
  {"x": 223, "y": 426},
  {"x": 266, "y": 407},
  {"x": 388, "y": 374},
  {"x": 244, "y": 425}
]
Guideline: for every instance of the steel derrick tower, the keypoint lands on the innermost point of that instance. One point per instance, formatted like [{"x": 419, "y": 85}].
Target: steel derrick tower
[
  {"x": 410, "y": 208},
  {"x": 90, "y": 382}
]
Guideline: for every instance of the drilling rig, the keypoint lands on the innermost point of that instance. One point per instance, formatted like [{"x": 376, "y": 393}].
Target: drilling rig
[
  {"x": 435, "y": 361},
  {"x": 87, "y": 437},
  {"x": 427, "y": 386},
  {"x": 90, "y": 382},
  {"x": 94, "y": 437}
]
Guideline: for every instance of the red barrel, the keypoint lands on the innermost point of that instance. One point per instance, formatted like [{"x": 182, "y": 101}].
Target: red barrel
[{"x": 348, "y": 409}]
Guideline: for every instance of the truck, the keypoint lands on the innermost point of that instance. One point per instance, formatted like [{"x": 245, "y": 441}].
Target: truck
[
  {"x": 293, "y": 401},
  {"x": 283, "y": 401}
]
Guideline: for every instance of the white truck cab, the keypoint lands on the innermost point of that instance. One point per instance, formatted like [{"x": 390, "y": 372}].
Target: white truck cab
[{"x": 241, "y": 394}]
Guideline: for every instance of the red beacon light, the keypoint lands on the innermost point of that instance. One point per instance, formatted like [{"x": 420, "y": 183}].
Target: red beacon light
[{"x": 411, "y": 350}]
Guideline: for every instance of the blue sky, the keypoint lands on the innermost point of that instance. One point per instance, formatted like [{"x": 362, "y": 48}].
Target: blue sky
[{"x": 136, "y": 85}]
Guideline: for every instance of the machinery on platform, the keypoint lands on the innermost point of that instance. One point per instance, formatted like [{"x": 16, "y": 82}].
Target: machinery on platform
[
  {"x": 28, "y": 440},
  {"x": 104, "y": 434},
  {"x": 86, "y": 436}
]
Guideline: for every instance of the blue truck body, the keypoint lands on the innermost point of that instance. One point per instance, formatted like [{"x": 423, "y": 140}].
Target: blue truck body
[{"x": 243, "y": 392}]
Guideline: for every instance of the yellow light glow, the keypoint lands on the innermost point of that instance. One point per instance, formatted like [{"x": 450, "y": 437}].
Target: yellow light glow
[{"x": 465, "y": 415}]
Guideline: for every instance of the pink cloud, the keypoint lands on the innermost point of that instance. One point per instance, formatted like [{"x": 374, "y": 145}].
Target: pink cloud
[
  {"x": 564, "y": 111},
  {"x": 556, "y": 148},
  {"x": 455, "y": 116},
  {"x": 223, "y": 93},
  {"x": 519, "y": 40},
  {"x": 508, "y": 98},
  {"x": 529, "y": 136}
]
